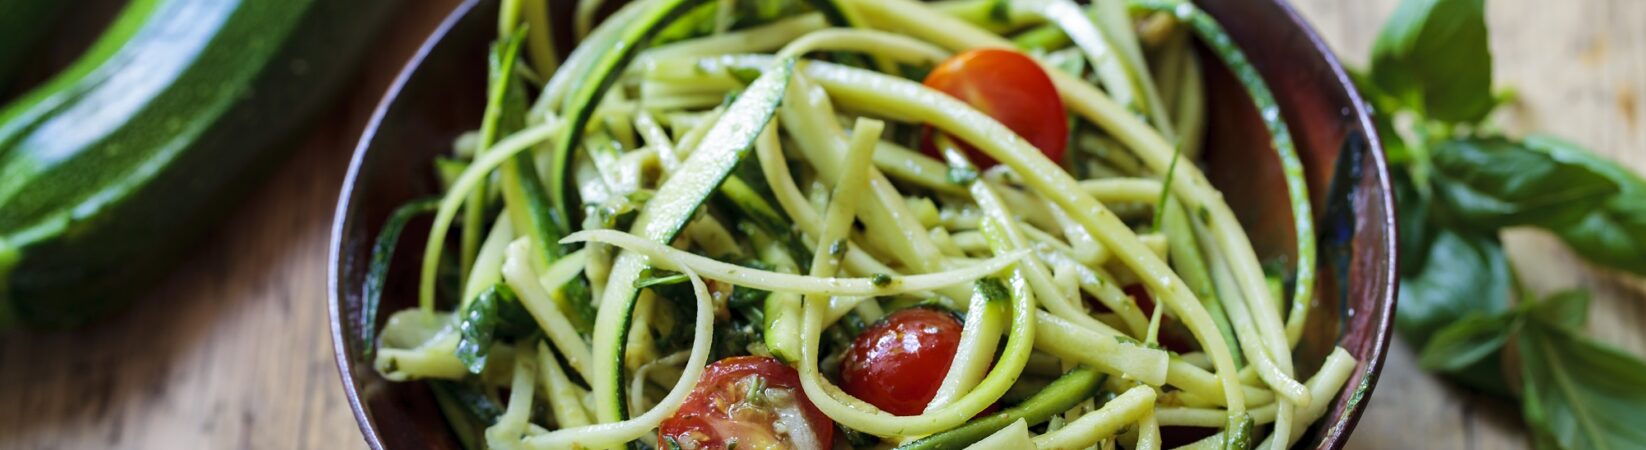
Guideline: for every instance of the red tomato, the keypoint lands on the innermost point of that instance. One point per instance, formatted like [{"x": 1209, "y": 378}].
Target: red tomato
[
  {"x": 898, "y": 364},
  {"x": 1011, "y": 88},
  {"x": 745, "y": 401}
]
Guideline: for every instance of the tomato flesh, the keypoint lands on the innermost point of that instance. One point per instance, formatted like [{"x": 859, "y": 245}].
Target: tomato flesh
[
  {"x": 752, "y": 403},
  {"x": 1010, "y": 87},
  {"x": 898, "y": 363}
]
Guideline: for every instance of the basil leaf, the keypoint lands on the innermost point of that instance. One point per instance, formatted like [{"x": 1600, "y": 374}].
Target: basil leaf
[
  {"x": 1489, "y": 183},
  {"x": 1433, "y": 56},
  {"x": 1579, "y": 394},
  {"x": 1466, "y": 342},
  {"x": 1615, "y": 233},
  {"x": 1569, "y": 309},
  {"x": 1464, "y": 274},
  {"x": 1412, "y": 211}
]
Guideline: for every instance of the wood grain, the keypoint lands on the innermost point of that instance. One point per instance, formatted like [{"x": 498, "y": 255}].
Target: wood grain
[
  {"x": 233, "y": 350},
  {"x": 1579, "y": 68}
]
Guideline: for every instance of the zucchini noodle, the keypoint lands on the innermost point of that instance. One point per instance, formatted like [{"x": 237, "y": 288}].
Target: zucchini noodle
[
  {"x": 669, "y": 258},
  {"x": 707, "y": 221}
]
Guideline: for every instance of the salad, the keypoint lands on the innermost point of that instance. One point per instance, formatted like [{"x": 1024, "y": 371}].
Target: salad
[{"x": 770, "y": 224}]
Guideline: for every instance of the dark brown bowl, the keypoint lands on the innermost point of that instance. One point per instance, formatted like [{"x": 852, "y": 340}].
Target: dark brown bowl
[{"x": 438, "y": 96}]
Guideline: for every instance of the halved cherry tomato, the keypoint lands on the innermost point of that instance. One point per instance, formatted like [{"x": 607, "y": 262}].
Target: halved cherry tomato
[
  {"x": 750, "y": 402},
  {"x": 898, "y": 363},
  {"x": 1011, "y": 88}
]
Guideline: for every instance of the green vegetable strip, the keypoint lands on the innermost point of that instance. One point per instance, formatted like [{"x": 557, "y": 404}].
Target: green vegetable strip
[
  {"x": 1127, "y": 408},
  {"x": 516, "y": 415},
  {"x": 1297, "y": 187},
  {"x": 727, "y": 142},
  {"x": 1071, "y": 388},
  {"x": 1034, "y": 270},
  {"x": 905, "y": 97},
  {"x": 858, "y": 415},
  {"x": 590, "y": 87},
  {"x": 1096, "y": 107},
  {"x": 377, "y": 275},
  {"x": 793, "y": 202},
  {"x": 488, "y": 264},
  {"x": 564, "y": 397},
  {"x": 503, "y": 56},
  {"x": 1111, "y": 18},
  {"x": 578, "y": 62},
  {"x": 468, "y": 426},
  {"x": 469, "y": 180},
  {"x": 1190, "y": 263},
  {"x": 885, "y": 215},
  {"x": 540, "y": 37}
]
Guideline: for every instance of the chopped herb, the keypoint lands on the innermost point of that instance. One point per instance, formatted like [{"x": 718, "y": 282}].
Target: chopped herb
[
  {"x": 993, "y": 289},
  {"x": 880, "y": 279},
  {"x": 837, "y": 248}
]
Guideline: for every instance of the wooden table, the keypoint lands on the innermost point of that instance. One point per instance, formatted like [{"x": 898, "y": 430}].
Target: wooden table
[{"x": 234, "y": 351}]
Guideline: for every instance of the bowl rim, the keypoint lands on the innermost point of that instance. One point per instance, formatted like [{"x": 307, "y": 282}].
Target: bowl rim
[
  {"x": 1334, "y": 436},
  {"x": 345, "y": 204}
]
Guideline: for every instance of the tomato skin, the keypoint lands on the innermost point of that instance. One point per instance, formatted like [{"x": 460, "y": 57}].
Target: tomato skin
[
  {"x": 1010, "y": 87},
  {"x": 720, "y": 412},
  {"x": 898, "y": 363}
]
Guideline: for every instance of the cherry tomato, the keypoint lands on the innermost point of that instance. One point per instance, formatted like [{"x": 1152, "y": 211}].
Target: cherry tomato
[
  {"x": 898, "y": 363},
  {"x": 1011, "y": 88},
  {"x": 750, "y": 402}
]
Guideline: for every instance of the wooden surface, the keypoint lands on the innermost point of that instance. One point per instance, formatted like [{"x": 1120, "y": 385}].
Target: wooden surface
[
  {"x": 233, "y": 351},
  {"x": 1580, "y": 68}
]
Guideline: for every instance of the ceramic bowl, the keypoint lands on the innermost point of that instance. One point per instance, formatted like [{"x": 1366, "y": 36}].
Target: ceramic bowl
[{"x": 438, "y": 96}]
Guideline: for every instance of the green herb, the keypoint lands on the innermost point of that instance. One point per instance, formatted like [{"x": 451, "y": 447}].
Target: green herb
[
  {"x": 1464, "y": 273},
  {"x": 880, "y": 279},
  {"x": 1432, "y": 57},
  {"x": 1457, "y": 187},
  {"x": 1613, "y": 234},
  {"x": 1493, "y": 182},
  {"x": 1241, "y": 436},
  {"x": 1579, "y": 394},
  {"x": 652, "y": 277}
]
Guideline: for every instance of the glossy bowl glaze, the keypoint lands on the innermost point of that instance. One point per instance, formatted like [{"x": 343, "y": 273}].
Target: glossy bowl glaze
[{"x": 438, "y": 96}]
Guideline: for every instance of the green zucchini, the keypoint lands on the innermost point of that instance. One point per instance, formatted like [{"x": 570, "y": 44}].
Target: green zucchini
[
  {"x": 677, "y": 201},
  {"x": 1073, "y": 387},
  {"x": 107, "y": 172},
  {"x": 591, "y": 85}
]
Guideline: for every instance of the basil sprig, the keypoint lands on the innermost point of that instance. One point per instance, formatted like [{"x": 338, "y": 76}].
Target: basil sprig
[{"x": 1458, "y": 184}]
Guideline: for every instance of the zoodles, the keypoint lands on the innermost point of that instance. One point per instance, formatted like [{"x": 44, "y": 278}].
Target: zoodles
[{"x": 854, "y": 224}]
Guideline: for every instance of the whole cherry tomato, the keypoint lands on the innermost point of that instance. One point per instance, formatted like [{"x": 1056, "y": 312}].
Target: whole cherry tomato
[
  {"x": 1010, "y": 87},
  {"x": 898, "y": 363}
]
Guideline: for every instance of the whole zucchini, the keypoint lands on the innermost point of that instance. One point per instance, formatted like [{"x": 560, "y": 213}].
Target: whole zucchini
[{"x": 107, "y": 173}]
